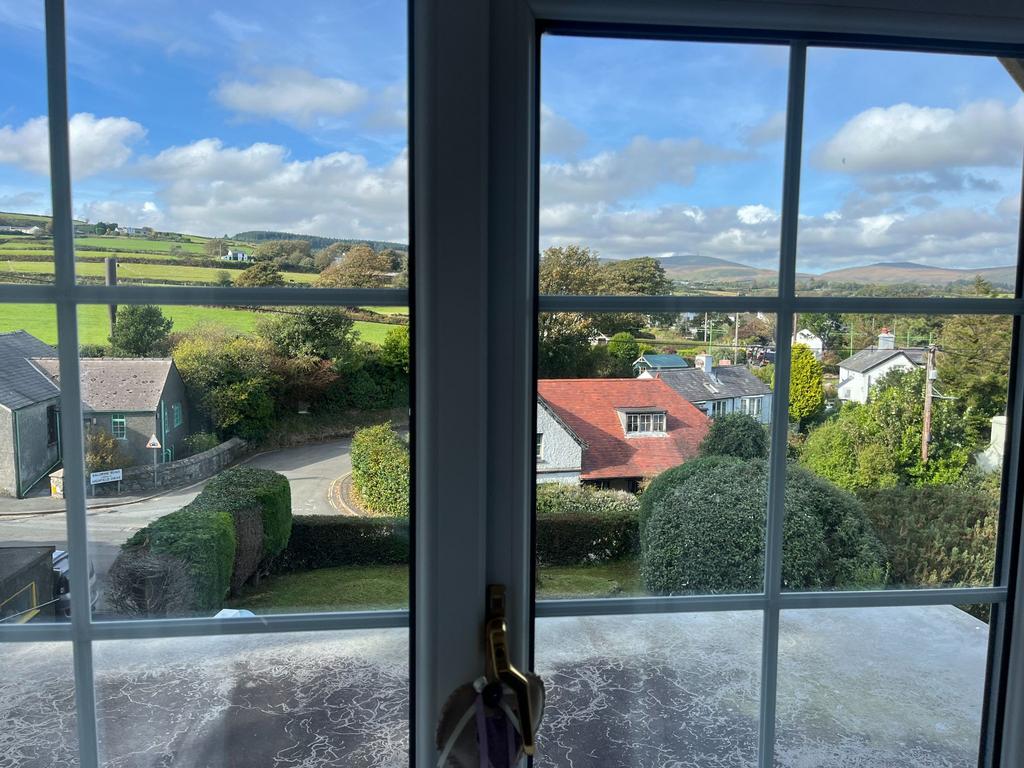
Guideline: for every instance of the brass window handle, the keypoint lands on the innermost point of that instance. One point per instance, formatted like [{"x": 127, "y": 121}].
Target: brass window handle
[{"x": 499, "y": 664}]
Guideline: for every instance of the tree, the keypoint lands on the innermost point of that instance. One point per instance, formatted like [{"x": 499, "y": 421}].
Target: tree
[
  {"x": 321, "y": 332},
  {"x": 806, "y": 394},
  {"x": 141, "y": 330},
  {"x": 262, "y": 273},
  {"x": 736, "y": 434},
  {"x": 395, "y": 349},
  {"x": 623, "y": 350},
  {"x": 704, "y": 532},
  {"x": 327, "y": 256},
  {"x": 215, "y": 247},
  {"x": 223, "y": 278},
  {"x": 360, "y": 267},
  {"x": 878, "y": 444},
  {"x": 644, "y": 276},
  {"x": 282, "y": 252},
  {"x": 103, "y": 452},
  {"x": 570, "y": 269}
]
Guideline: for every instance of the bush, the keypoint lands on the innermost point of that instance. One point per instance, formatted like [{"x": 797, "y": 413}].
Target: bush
[
  {"x": 103, "y": 451},
  {"x": 579, "y": 525},
  {"x": 229, "y": 533},
  {"x": 704, "y": 531},
  {"x": 736, "y": 434},
  {"x": 667, "y": 481},
  {"x": 327, "y": 541},
  {"x": 380, "y": 471},
  {"x": 198, "y": 442},
  {"x": 935, "y": 535}
]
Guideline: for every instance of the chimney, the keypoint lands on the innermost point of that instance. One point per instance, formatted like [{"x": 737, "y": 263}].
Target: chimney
[
  {"x": 705, "y": 363},
  {"x": 886, "y": 340}
]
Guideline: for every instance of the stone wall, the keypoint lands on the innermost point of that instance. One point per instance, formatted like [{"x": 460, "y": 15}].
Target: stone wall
[{"x": 173, "y": 474}]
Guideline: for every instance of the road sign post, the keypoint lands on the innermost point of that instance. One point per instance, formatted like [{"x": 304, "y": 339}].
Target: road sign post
[{"x": 155, "y": 445}]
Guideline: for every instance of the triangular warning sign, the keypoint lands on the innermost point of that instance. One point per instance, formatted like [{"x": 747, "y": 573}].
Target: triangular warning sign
[{"x": 153, "y": 442}]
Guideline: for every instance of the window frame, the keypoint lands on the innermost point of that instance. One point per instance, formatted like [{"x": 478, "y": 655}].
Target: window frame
[
  {"x": 176, "y": 417},
  {"x": 119, "y": 420},
  {"x": 473, "y": 185}
]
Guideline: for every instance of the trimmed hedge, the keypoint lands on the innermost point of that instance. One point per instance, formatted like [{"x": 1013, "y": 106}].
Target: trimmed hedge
[
  {"x": 704, "y": 531},
  {"x": 736, "y": 434},
  {"x": 578, "y": 525},
  {"x": 226, "y": 535},
  {"x": 329, "y": 541},
  {"x": 380, "y": 471}
]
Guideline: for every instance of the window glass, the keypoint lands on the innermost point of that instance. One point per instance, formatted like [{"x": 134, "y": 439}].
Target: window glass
[
  {"x": 911, "y": 175},
  {"x": 665, "y": 182}
]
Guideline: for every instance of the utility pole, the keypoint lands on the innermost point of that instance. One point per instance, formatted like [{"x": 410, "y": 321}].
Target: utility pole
[
  {"x": 111, "y": 264},
  {"x": 705, "y": 329},
  {"x": 926, "y": 430}
]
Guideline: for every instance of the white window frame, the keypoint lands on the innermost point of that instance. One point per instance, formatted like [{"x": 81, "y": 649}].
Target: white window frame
[
  {"x": 717, "y": 408},
  {"x": 645, "y": 422},
  {"x": 752, "y": 406},
  {"x": 473, "y": 186},
  {"x": 119, "y": 420}
]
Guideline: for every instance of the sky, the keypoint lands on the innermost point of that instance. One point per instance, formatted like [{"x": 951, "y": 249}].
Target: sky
[{"x": 218, "y": 118}]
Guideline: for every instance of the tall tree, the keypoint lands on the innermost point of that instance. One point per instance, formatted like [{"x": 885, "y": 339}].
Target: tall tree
[
  {"x": 360, "y": 267},
  {"x": 215, "y": 247},
  {"x": 321, "y": 332},
  {"x": 260, "y": 274},
  {"x": 141, "y": 330},
  {"x": 806, "y": 393}
]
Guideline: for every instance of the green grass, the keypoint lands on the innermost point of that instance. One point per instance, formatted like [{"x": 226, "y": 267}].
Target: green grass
[
  {"x": 41, "y": 321},
  {"x": 152, "y": 273},
  {"x": 379, "y": 587},
  {"x": 137, "y": 244},
  {"x": 388, "y": 310}
]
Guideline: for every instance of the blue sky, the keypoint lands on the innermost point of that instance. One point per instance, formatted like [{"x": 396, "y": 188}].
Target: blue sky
[{"x": 269, "y": 115}]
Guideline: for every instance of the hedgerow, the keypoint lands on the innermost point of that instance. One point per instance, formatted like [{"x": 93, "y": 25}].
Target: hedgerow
[
  {"x": 380, "y": 471},
  {"x": 577, "y": 525}
]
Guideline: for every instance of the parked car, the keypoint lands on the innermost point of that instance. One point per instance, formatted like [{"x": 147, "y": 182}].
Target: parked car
[{"x": 62, "y": 584}]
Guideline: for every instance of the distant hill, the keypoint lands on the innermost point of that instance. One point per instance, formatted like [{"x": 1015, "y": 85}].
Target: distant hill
[
  {"x": 692, "y": 267},
  {"x": 9, "y": 219},
  {"x": 896, "y": 272},
  {"x": 315, "y": 241}
]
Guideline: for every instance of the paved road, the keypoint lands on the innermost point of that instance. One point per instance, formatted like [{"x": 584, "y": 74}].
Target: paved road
[{"x": 309, "y": 468}]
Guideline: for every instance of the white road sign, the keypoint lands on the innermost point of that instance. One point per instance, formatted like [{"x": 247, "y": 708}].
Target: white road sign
[
  {"x": 108, "y": 476},
  {"x": 153, "y": 442}
]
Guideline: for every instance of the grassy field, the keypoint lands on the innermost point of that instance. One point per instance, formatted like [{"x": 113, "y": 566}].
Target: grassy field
[
  {"x": 41, "y": 321},
  {"x": 151, "y": 273},
  {"x": 138, "y": 244},
  {"x": 379, "y": 587}
]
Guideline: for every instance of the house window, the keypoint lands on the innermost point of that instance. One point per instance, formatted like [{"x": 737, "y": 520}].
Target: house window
[
  {"x": 645, "y": 422},
  {"x": 176, "y": 414},
  {"x": 540, "y": 446},
  {"x": 52, "y": 431},
  {"x": 751, "y": 406},
  {"x": 719, "y": 408},
  {"x": 118, "y": 426}
]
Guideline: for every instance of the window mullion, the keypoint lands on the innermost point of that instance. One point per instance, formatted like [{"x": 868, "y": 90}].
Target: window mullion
[
  {"x": 780, "y": 403},
  {"x": 70, "y": 400}
]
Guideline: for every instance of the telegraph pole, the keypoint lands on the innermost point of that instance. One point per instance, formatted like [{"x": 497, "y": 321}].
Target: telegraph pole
[
  {"x": 926, "y": 431},
  {"x": 111, "y": 279}
]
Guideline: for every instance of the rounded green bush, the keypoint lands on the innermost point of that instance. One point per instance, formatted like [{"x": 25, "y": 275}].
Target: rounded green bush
[
  {"x": 380, "y": 471},
  {"x": 736, "y": 434},
  {"x": 704, "y": 531}
]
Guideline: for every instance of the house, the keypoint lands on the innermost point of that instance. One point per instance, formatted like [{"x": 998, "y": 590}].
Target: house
[
  {"x": 130, "y": 231},
  {"x": 613, "y": 432},
  {"x": 29, "y": 415},
  {"x": 810, "y": 339},
  {"x": 722, "y": 389},
  {"x": 236, "y": 255},
  {"x": 132, "y": 399},
  {"x": 651, "y": 362},
  {"x": 857, "y": 374}
]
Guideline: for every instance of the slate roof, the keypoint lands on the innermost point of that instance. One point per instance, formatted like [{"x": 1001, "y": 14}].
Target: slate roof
[
  {"x": 21, "y": 383},
  {"x": 871, "y": 357},
  {"x": 729, "y": 381},
  {"x": 590, "y": 408},
  {"x": 663, "y": 361},
  {"x": 115, "y": 384}
]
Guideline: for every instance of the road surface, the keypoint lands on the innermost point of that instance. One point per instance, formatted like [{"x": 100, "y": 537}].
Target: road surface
[{"x": 309, "y": 468}]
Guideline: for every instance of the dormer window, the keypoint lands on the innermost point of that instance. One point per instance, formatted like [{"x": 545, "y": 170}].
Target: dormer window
[{"x": 645, "y": 422}]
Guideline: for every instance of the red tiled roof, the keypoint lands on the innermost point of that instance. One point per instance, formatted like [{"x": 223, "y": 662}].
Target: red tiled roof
[{"x": 590, "y": 407}]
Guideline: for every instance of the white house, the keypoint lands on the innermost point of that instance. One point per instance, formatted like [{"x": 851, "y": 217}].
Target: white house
[
  {"x": 559, "y": 449},
  {"x": 859, "y": 373},
  {"x": 236, "y": 255},
  {"x": 722, "y": 389},
  {"x": 810, "y": 339}
]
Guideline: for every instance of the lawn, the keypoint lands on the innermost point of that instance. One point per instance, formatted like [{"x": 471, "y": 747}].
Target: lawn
[
  {"x": 376, "y": 587},
  {"x": 41, "y": 321},
  {"x": 151, "y": 273},
  {"x": 137, "y": 244}
]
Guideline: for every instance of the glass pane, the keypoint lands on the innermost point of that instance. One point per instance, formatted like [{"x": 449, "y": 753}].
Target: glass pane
[
  {"x": 899, "y": 433},
  {"x": 250, "y": 460},
  {"x": 911, "y": 175},
  {"x": 37, "y": 705},
  {"x": 26, "y": 248},
  {"x": 880, "y": 686},
  {"x": 676, "y": 689},
  {"x": 325, "y": 699},
  {"x": 653, "y": 443},
  {"x": 263, "y": 147},
  {"x": 664, "y": 174}
]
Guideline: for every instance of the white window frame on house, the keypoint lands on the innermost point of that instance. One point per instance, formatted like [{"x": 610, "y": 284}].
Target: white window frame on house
[
  {"x": 119, "y": 426},
  {"x": 540, "y": 446},
  {"x": 752, "y": 406},
  {"x": 640, "y": 422},
  {"x": 718, "y": 408},
  {"x": 474, "y": 187}
]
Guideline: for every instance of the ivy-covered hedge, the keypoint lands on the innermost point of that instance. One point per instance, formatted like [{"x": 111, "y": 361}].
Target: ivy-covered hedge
[
  {"x": 577, "y": 525},
  {"x": 329, "y": 541},
  {"x": 189, "y": 560},
  {"x": 380, "y": 471},
  {"x": 704, "y": 531}
]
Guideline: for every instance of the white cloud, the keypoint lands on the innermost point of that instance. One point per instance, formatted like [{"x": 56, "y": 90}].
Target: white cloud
[
  {"x": 908, "y": 138},
  {"x": 756, "y": 214},
  {"x": 558, "y": 136},
  {"x": 641, "y": 165},
  {"x": 292, "y": 94},
  {"x": 770, "y": 130},
  {"x": 97, "y": 144}
]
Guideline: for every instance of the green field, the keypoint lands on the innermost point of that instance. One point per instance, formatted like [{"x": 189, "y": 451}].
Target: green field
[
  {"x": 41, "y": 321},
  {"x": 137, "y": 244},
  {"x": 153, "y": 273}
]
